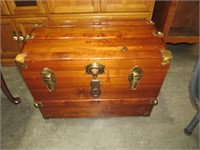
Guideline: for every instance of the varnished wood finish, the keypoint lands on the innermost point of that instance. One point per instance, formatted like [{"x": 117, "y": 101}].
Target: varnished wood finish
[
  {"x": 9, "y": 47},
  {"x": 4, "y": 8},
  {"x": 91, "y": 16},
  {"x": 127, "y": 6},
  {"x": 26, "y": 25},
  {"x": 73, "y": 6},
  {"x": 98, "y": 108},
  {"x": 101, "y": 6},
  {"x": 68, "y": 48},
  {"x": 25, "y": 16}
]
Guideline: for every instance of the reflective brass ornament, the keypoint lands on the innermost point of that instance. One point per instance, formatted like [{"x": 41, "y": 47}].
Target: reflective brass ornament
[
  {"x": 167, "y": 57},
  {"x": 95, "y": 88},
  {"x": 29, "y": 37},
  {"x": 19, "y": 59},
  {"x": 150, "y": 22},
  {"x": 154, "y": 102},
  {"x": 38, "y": 104},
  {"x": 158, "y": 33},
  {"x": 95, "y": 69},
  {"x": 49, "y": 78}
]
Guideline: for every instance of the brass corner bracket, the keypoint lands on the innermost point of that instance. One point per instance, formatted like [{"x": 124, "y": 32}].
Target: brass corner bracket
[
  {"x": 150, "y": 22},
  {"x": 29, "y": 37},
  {"x": 19, "y": 59},
  {"x": 167, "y": 57},
  {"x": 154, "y": 102}
]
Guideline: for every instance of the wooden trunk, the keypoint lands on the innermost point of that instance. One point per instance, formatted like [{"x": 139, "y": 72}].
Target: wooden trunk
[{"x": 118, "y": 45}]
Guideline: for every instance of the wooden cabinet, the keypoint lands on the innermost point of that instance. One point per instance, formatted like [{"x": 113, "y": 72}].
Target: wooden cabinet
[
  {"x": 68, "y": 6},
  {"x": 9, "y": 47},
  {"x": 26, "y": 7},
  {"x": 19, "y": 27},
  {"x": 4, "y": 8},
  {"x": 18, "y": 18},
  {"x": 26, "y": 25},
  {"x": 178, "y": 20},
  {"x": 73, "y": 6},
  {"x": 145, "y": 6}
]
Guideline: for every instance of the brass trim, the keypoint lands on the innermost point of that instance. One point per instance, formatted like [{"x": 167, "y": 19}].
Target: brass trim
[
  {"x": 29, "y": 37},
  {"x": 167, "y": 57},
  {"x": 95, "y": 69},
  {"x": 38, "y": 104},
  {"x": 158, "y": 33},
  {"x": 154, "y": 102},
  {"x": 150, "y": 22},
  {"x": 19, "y": 59},
  {"x": 38, "y": 25}
]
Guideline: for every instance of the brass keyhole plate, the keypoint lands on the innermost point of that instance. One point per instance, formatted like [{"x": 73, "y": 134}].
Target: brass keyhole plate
[{"x": 95, "y": 69}]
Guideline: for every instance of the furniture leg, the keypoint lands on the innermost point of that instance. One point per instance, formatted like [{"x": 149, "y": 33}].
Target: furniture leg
[{"x": 15, "y": 100}]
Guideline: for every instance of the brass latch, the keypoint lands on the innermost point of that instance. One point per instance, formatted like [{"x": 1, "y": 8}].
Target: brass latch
[
  {"x": 135, "y": 75},
  {"x": 19, "y": 59},
  {"x": 95, "y": 88},
  {"x": 95, "y": 69},
  {"x": 167, "y": 57},
  {"x": 49, "y": 78}
]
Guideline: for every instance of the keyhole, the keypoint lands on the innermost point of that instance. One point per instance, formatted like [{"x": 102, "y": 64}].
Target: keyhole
[{"x": 95, "y": 71}]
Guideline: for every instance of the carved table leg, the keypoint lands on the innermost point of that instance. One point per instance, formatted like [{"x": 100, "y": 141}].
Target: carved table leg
[{"x": 15, "y": 100}]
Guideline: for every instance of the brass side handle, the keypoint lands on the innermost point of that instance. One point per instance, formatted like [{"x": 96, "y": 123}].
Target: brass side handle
[
  {"x": 49, "y": 78},
  {"x": 135, "y": 75}
]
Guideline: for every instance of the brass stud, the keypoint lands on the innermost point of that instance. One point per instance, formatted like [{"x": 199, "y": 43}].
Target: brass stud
[
  {"x": 150, "y": 22},
  {"x": 146, "y": 114},
  {"x": 37, "y": 104},
  {"x": 158, "y": 33},
  {"x": 154, "y": 102}
]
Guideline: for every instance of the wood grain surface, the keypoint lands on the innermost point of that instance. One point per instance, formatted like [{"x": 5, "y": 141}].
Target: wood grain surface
[{"x": 89, "y": 108}]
